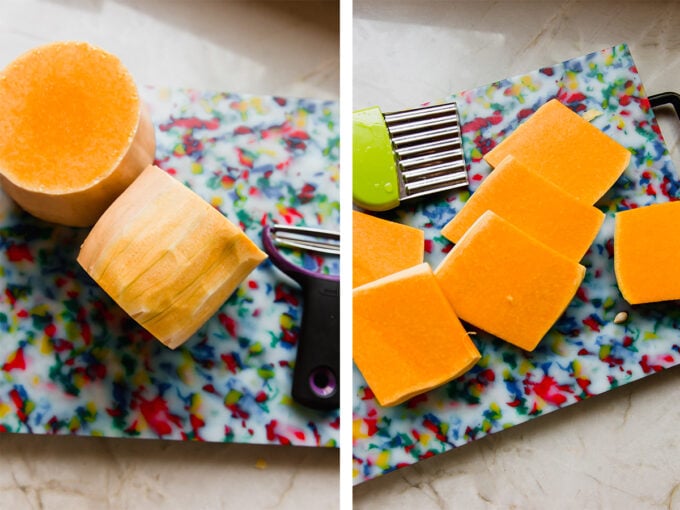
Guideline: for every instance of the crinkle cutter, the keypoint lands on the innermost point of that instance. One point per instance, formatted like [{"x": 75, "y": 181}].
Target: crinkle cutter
[
  {"x": 405, "y": 155},
  {"x": 316, "y": 377}
]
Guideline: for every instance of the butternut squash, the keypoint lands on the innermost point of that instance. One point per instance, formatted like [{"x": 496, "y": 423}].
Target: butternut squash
[
  {"x": 73, "y": 132},
  {"x": 505, "y": 282},
  {"x": 406, "y": 338},
  {"x": 566, "y": 150},
  {"x": 534, "y": 205},
  {"x": 381, "y": 247},
  {"x": 166, "y": 256},
  {"x": 646, "y": 250}
]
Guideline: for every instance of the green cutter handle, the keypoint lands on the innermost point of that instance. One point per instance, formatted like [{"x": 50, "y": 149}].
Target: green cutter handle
[{"x": 375, "y": 184}]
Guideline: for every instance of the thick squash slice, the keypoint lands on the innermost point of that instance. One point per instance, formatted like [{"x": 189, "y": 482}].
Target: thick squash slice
[
  {"x": 534, "y": 205},
  {"x": 382, "y": 247},
  {"x": 508, "y": 284},
  {"x": 646, "y": 251},
  {"x": 166, "y": 256},
  {"x": 73, "y": 132},
  {"x": 406, "y": 338},
  {"x": 567, "y": 150}
]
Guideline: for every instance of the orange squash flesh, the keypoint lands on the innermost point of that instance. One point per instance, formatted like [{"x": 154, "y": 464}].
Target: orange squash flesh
[
  {"x": 566, "y": 150},
  {"x": 534, "y": 205},
  {"x": 646, "y": 250},
  {"x": 382, "y": 247},
  {"x": 167, "y": 257},
  {"x": 73, "y": 132},
  {"x": 406, "y": 338},
  {"x": 505, "y": 282}
]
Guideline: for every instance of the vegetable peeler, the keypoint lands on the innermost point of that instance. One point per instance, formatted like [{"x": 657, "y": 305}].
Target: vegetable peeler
[
  {"x": 316, "y": 378},
  {"x": 404, "y": 155}
]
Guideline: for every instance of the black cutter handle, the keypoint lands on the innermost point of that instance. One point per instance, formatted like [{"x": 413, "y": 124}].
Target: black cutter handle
[
  {"x": 665, "y": 98},
  {"x": 316, "y": 378}
]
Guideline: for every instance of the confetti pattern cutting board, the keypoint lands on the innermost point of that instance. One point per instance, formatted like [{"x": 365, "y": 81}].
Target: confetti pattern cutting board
[
  {"x": 585, "y": 353},
  {"x": 71, "y": 362}
]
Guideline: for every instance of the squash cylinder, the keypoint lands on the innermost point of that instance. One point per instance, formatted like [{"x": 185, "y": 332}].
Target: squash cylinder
[
  {"x": 73, "y": 132},
  {"x": 166, "y": 256}
]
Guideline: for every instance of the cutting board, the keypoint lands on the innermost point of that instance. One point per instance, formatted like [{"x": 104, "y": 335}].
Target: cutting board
[
  {"x": 585, "y": 353},
  {"x": 72, "y": 363}
]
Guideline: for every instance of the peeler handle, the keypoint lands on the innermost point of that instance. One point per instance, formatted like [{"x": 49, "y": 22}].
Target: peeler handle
[{"x": 316, "y": 379}]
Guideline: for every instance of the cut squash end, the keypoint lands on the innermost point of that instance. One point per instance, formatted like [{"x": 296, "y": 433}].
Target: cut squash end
[{"x": 74, "y": 131}]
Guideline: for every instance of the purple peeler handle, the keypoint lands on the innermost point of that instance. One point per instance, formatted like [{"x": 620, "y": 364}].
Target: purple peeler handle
[
  {"x": 298, "y": 274},
  {"x": 316, "y": 378}
]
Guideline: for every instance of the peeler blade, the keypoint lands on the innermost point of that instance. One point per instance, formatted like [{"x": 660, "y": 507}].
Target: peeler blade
[{"x": 306, "y": 238}]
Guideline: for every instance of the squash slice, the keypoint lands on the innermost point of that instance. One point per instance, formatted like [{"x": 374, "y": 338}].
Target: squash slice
[
  {"x": 646, "y": 248},
  {"x": 507, "y": 283},
  {"x": 534, "y": 205},
  {"x": 381, "y": 247},
  {"x": 406, "y": 338},
  {"x": 566, "y": 150}
]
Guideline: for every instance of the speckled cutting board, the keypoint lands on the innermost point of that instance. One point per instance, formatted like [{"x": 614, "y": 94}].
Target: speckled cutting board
[
  {"x": 71, "y": 362},
  {"x": 585, "y": 353}
]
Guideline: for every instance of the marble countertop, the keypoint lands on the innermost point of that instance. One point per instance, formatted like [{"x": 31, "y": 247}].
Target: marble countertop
[
  {"x": 618, "y": 450},
  {"x": 277, "y": 48},
  {"x": 614, "y": 451}
]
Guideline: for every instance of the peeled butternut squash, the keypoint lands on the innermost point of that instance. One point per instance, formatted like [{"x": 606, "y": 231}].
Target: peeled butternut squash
[
  {"x": 406, "y": 338},
  {"x": 566, "y": 150},
  {"x": 646, "y": 248},
  {"x": 381, "y": 247},
  {"x": 534, "y": 205},
  {"x": 73, "y": 132},
  {"x": 507, "y": 283},
  {"x": 166, "y": 256}
]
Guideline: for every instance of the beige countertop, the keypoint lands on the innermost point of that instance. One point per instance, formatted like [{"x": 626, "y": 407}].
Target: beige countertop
[
  {"x": 271, "y": 48},
  {"x": 618, "y": 450}
]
